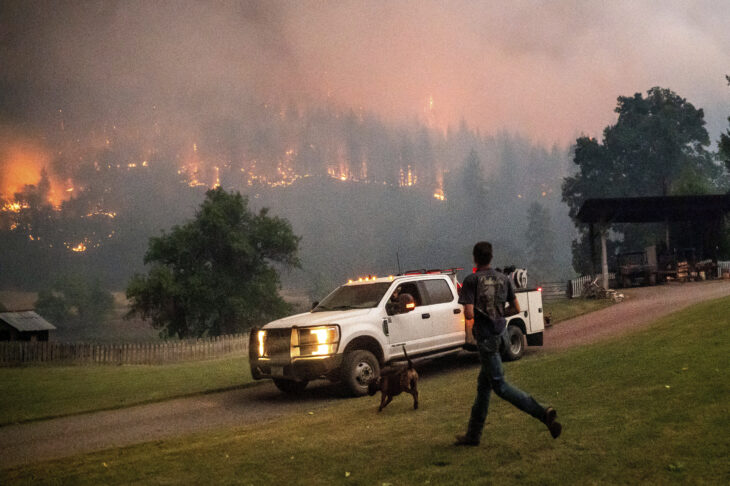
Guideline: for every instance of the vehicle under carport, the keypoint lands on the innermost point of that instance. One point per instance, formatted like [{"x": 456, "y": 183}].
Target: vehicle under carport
[{"x": 704, "y": 216}]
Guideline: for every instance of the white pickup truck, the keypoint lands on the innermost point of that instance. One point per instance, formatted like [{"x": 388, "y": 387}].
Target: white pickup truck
[{"x": 362, "y": 326}]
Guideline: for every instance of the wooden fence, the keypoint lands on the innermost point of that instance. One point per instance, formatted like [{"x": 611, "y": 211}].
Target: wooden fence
[
  {"x": 577, "y": 284},
  {"x": 20, "y": 352},
  {"x": 554, "y": 290}
]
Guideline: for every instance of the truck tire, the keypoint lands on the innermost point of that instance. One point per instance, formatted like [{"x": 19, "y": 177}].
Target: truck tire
[
  {"x": 515, "y": 345},
  {"x": 290, "y": 387},
  {"x": 359, "y": 367}
]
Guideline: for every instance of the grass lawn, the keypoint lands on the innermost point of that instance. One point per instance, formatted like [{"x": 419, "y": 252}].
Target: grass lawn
[
  {"x": 564, "y": 309},
  {"x": 35, "y": 392},
  {"x": 650, "y": 408}
]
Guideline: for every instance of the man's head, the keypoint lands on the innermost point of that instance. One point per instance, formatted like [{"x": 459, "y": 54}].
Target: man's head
[
  {"x": 482, "y": 253},
  {"x": 406, "y": 302}
]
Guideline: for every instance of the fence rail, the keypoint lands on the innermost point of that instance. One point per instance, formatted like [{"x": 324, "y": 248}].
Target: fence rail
[
  {"x": 577, "y": 284},
  {"x": 16, "y": 352}
]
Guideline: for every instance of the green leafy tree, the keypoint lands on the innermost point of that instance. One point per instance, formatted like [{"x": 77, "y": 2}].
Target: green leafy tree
[
  {"x": 657, "y": 147},
  {"x": 74, "y": 299},
  {"x": 215, "y": 274}
]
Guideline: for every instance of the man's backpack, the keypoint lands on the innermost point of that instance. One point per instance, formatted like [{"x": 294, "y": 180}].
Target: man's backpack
[{"x": 490, "y": 300}]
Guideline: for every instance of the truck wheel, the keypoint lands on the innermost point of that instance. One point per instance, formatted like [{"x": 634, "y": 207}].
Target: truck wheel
[
  {"x": 290, "y": 387},
  {"x": 358, "y": 368},
  {"x": 515, "y": 344}
]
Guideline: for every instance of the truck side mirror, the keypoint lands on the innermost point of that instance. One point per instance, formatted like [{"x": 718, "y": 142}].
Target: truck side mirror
[{"x": 391, "y": 308}]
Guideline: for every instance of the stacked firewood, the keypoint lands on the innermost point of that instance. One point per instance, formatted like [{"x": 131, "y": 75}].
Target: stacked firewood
[
  {"x": 682, "y": 271},
  {"x": 592, "y": 290}
]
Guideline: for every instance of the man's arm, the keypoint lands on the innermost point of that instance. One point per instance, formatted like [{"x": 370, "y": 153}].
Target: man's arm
[
  {"x": 466, "y": 297},
  {"x": 469, "y": 311},
  {"x": 513, "y": 309}
]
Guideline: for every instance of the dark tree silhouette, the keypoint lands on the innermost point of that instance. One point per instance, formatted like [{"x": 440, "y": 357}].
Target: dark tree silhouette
[
  {"x": 214, "y": 274},
  {"x": 656, "y": 147}
]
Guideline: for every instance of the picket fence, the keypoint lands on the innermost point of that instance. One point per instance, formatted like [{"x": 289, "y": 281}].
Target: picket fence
[
  {"x": 722, "y": 267},
  {"x": 20, "y": 352},
  {"x": 577, "y": 284}
]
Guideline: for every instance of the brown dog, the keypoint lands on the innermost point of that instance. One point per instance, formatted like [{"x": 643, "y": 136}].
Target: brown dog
[{"x": 394, "y": 382}]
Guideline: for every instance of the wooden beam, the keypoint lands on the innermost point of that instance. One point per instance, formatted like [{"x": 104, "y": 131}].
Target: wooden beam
[{"x": 604, "y": 256}]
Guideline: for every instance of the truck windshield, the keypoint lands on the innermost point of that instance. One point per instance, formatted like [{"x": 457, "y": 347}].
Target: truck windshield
[{"x": 353, "y": 297}]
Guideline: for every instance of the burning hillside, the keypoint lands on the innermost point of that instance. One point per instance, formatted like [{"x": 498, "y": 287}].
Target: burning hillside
[
  {"x": 87, "y": 194},
  {"x": 266, "y": 148}
]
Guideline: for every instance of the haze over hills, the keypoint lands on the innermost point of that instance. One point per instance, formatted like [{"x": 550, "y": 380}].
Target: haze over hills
[
  {"x": 357, "y": 189},
  {"x": 355, "y": 121}
]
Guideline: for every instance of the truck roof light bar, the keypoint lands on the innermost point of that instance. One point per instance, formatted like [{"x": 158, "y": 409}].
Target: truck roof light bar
[{"x": 422, "y": 271}]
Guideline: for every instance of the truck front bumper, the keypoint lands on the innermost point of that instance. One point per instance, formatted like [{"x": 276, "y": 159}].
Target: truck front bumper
[{"x": 303, "y": 369}]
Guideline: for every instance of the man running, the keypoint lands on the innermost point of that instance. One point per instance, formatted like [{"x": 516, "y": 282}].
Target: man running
[{"x": 483, "y": 295}]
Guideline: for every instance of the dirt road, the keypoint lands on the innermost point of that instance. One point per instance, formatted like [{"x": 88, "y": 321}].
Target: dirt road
[
  {"x": 35, "y": 442},
  {"x": 641, "y": 307}
]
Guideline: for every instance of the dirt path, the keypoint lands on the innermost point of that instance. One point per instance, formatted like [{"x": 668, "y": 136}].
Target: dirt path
[
  {"x": 35, "y": 442},
  {"x": 641, "y": 307}
]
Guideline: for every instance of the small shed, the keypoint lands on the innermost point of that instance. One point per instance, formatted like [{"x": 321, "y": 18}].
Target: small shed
[{"x": 24, "y": 326}]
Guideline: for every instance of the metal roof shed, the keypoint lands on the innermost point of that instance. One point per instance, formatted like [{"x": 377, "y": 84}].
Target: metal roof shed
[
  {"x": 654, "y": 209},
  {"x": 708, "y": 209},
  {"x": 24, "y": 326}
]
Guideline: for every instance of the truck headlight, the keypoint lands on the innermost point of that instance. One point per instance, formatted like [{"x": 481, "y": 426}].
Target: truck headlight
[
  {"x": 317, "y": 341},
  {"x": 261, "y": 339}
]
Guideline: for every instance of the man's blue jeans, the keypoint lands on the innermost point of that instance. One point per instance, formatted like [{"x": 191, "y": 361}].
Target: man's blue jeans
[{"x": 491, "y": 377}]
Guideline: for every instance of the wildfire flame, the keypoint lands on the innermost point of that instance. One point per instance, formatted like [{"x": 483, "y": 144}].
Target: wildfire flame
[
  {"x": 13, "y": 207},
  {"x": 22, "y": 162}
]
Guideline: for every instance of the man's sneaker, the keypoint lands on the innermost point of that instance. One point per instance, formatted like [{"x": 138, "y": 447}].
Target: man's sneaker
[
  {"x": 554, "y": 427},
  {"x": 465, "y": 440}
]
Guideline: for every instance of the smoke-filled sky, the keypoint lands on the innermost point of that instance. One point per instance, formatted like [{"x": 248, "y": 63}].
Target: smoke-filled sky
[{"x": 550, "y": 70}]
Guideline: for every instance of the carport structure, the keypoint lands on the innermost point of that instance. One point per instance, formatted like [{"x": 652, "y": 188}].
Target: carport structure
[{"x": 707, "y": 212}]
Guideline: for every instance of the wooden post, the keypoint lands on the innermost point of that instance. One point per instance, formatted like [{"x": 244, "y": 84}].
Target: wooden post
[
  {"x": 592, "y": 241},
  {"x": 604, "y": 256}
]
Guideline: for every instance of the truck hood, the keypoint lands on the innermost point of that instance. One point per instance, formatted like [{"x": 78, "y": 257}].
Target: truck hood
[{"x": 319, "y": 318}]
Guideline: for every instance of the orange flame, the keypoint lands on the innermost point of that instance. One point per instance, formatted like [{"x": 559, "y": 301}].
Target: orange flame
[{"x": 22, "y": 162}]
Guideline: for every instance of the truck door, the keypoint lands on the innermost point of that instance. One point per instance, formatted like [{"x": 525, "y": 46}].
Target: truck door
[
  {"x": 446, "y": 313},
  {"x": 414, "y": 328},
  {"x": 535, "y": 322},
  {"x": 522, "y": 299}
]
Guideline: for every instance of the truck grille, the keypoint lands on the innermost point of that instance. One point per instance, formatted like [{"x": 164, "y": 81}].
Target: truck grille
[{"x": 278, "y": 343}]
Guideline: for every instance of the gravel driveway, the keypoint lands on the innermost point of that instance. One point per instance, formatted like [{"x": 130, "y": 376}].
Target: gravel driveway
[{"x": 38, "y": 441}]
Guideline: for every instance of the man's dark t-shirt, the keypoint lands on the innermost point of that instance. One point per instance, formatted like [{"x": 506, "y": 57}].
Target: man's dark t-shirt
[{"x": 488, "y": 290}]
